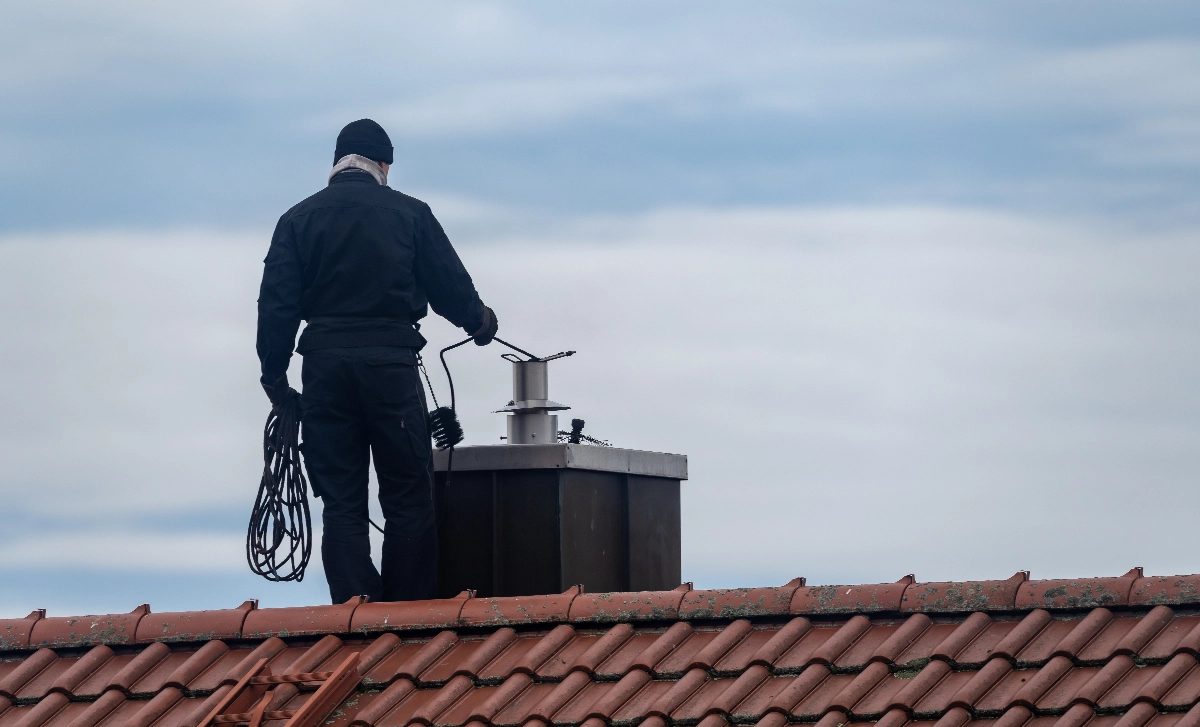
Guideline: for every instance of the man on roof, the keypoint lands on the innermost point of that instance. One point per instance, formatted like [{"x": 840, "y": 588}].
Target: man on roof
[{"x": 362, "y": 263}]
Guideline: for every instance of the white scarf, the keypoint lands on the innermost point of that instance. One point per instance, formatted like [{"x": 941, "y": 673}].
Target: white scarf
[{"x": 355, "y": 161}]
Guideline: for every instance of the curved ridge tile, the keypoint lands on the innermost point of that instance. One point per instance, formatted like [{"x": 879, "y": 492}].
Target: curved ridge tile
[
  {"x": 739, "y": 602},
  {"x": 1165, "y": 590},
  {"x": 263, "y": 623},
  {"x": 512, "y": 610},
  {"x": 959, "y": 597},
  {"x": 60, "y": 631},
  {"x": 15, "y": 632},
  {"x": 871, "y": 598},
  {"x": 438, "y": 613},
  {"x": 620, "y": 607},
  {"x": 194, "y": 625},
  {"x": 1078, "y": 592}
]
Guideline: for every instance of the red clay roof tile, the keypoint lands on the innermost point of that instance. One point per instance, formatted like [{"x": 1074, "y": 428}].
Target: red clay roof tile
[
  {"x": 850, "y": 599},
  {"x": 85, "y": 630},
  {"x": 1078, "y": 593},
  {"x": 1165, "y": 590},
  {"x": 409, "y": 615},
  {"x": 302, "y": 621},
  {"x": 193, "y": 625},
  {"x": 518, "y": 662},
  {"x": 958, "y": 597},
  {"x": 516, "y": 610},
  {"x": 739, "y": 602},
  {"x": 15, "y": 632},
  {"x": 613, "y": 607}
]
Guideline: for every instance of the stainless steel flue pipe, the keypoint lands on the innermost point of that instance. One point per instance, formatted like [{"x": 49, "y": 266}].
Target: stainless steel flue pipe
[{"x": 529, "y": 417}]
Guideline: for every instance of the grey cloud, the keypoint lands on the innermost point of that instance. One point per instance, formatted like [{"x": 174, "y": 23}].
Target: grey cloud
[{"x": 863, "y": 392}]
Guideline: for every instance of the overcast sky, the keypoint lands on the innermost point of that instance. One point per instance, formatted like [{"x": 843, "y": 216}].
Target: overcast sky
[{"x": 915, "y": 286}]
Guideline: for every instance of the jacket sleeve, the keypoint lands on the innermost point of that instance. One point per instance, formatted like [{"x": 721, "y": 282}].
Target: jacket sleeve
[
  {"x": 442, "y": 277},
  {"x": 279, "y": 300}
]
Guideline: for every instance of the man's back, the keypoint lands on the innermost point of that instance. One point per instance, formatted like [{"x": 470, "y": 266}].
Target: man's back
[
  {"x": 357, "y": 242},
  {"x": 362, "y": 263}
]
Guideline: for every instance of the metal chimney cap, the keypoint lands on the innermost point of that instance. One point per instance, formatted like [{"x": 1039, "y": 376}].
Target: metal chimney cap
[{"x": 530, "y": 404}]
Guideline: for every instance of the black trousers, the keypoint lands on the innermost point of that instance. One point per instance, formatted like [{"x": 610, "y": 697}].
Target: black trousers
[{"x": 360, "y": 404}]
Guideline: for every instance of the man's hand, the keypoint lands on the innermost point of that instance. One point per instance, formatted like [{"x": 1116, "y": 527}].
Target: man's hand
[
  {"x": 280, "y": 393},
  {"x": 487, "y": 331}
]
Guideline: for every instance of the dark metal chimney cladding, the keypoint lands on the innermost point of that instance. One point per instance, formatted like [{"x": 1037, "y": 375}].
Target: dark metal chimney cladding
[{"x": 537, "y": 515}]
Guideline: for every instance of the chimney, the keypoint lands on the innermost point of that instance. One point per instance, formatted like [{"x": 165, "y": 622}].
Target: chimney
[{"x": 537, "y": 515}]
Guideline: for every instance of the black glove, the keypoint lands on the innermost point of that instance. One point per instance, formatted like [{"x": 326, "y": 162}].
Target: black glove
[
  {"x": 487, "y": 331},
  {"x": 280, "y": 393}
]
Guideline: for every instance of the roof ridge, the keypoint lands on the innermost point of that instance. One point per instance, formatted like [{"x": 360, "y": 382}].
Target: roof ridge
[{"x": 905, "y": 596}]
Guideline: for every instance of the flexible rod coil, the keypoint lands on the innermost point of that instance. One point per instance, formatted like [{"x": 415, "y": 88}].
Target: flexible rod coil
[{"x": 279, "y": 537}]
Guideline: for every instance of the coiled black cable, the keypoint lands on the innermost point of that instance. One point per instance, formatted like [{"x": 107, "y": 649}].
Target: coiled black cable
[{"x": 279, "y": 538}]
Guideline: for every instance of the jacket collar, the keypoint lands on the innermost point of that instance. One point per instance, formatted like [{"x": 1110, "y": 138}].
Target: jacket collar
[
  {"x": 352, "y": 176},
  {"x": 356, "y": 161}
]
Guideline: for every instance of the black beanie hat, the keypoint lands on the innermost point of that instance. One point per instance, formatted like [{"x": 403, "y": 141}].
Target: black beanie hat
[{"x": 365, "y": 138}]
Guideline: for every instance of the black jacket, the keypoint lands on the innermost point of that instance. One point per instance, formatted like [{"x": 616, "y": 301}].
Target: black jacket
[{"x": 361, "y": 263}]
